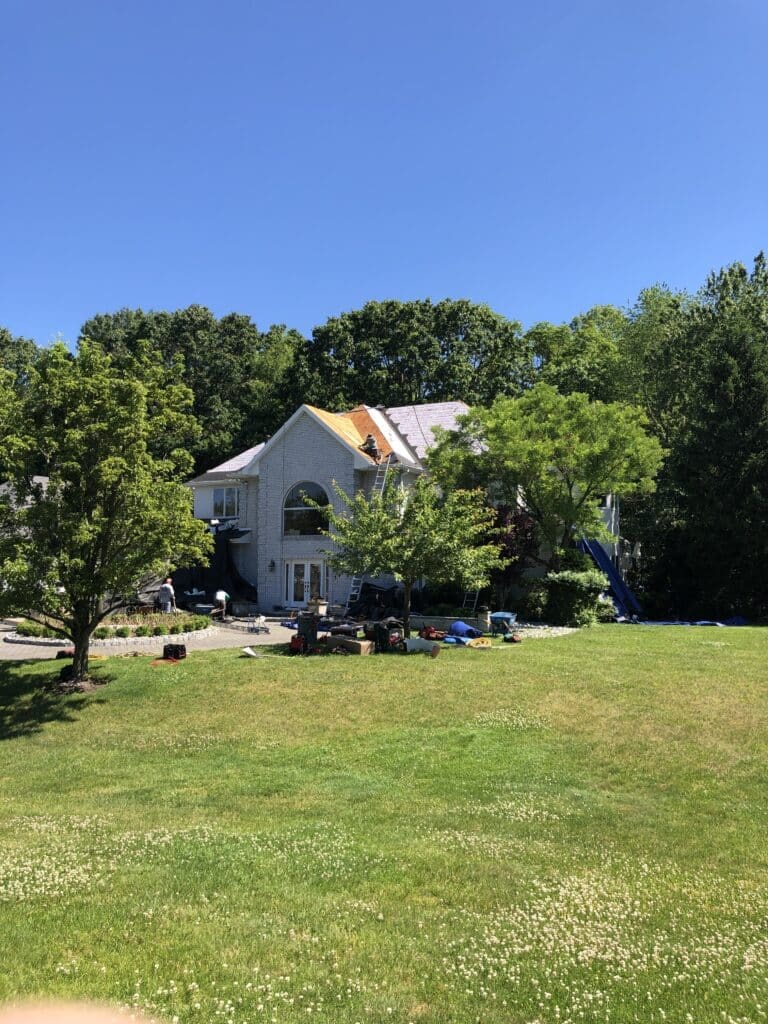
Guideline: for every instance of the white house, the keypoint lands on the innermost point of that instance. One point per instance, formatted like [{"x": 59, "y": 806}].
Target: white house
[{"x": 256, "y": 497}]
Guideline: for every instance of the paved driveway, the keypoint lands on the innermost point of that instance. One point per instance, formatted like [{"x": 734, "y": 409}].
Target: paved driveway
[{"x": 223, "y": 637}]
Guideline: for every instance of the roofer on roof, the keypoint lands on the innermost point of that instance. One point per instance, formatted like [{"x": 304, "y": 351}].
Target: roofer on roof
[{"x": 370, "y": 447}]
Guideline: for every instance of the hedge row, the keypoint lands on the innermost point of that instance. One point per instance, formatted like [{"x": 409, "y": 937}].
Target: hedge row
[{"x": 187, "y": 626}]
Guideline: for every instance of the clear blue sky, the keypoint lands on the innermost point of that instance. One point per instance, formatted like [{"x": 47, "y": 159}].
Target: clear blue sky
[{"x": 291, "y": 160}]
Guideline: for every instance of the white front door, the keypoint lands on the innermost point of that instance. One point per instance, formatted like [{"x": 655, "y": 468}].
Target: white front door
[{"x": 303, "y": 581}]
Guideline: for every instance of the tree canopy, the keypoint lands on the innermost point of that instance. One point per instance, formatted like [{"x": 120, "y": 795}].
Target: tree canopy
[
  {"x": 555, "y": 455},
  {"x": 413, "y": 534},
  {"x": 16, "y": 354},
  {"x": 400, "y": 353},
  {"x": 236, "y": 373},
  {"x": 584, "y": 356},
  {"x": 705, "y": 532},
  {"x": 113, "y": 511}
]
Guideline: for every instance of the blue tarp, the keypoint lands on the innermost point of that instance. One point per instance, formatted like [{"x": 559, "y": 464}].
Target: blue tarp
[
  {"x": 464, "y": 629},
  {"x": 735, "y": 621}
]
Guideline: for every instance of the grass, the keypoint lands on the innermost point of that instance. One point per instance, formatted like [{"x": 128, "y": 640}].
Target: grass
[{"x": 571, "y": 829}]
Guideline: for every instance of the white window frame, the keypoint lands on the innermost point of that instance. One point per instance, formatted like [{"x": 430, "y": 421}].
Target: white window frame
[{"x": 226, "y": 502}]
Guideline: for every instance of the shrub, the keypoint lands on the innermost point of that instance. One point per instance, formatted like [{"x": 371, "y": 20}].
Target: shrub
[
  {"x": 533, "y": 604},
  {"x": 606, "y": 611},
  {"x": 28, "y": 628},
  {"x": 123, "y": 631},
  {"x": 201, "y": 622},
  {"x": 102, "y": 633},
  {"x": 160, "y": 631},
  {"x": 572, "y": 597},
  {"x": 175, "y": 629},
  {"x": 141, "y": 631}
]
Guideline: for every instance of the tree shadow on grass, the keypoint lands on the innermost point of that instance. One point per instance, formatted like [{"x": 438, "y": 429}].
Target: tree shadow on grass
[{"x": 30, "y": 698}]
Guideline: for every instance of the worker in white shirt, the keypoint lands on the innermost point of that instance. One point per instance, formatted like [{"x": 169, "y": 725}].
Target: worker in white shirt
[{"x": 220, "y": 599}]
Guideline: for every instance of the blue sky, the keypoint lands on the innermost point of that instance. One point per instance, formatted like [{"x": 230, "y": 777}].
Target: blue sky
[{"x": 291, "y": 160}]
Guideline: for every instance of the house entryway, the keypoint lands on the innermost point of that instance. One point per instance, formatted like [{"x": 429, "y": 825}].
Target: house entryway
[{"x": 303, "y": 582}]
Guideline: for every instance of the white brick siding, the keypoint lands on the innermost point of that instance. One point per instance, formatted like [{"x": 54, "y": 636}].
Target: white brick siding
[{"x": 305, "y": 452}]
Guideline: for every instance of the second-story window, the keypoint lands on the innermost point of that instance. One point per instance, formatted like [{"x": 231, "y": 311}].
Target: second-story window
[
  {"x": 224, "y": 502},
  {"x": 298, "y": 518}
]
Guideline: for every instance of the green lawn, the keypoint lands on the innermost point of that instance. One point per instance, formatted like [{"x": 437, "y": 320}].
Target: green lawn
[{"x": 571, "y": 829}]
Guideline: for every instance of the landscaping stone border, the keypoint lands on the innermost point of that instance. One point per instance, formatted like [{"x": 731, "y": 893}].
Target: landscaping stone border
[
  {"x": 117, "y": 641},
  {"x": 540, "y": 631},
  {"x": 36, "y": 641}
]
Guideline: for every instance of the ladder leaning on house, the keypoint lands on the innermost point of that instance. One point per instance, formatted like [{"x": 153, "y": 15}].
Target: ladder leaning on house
[
  {"x": 377, "y": 487},
  {"x": 380, "y": 480},
  {"x": 469, "y": 604}
]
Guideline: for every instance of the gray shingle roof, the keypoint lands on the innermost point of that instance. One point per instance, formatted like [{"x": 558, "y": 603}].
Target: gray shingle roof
[
  {"x": 229, "y": 468},
  {"x": 239, "y": 461},
  {"x": 415, "y": 422}
]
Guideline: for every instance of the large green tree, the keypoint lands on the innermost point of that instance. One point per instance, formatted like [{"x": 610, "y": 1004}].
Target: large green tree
[
  {"x": 660, "y": 360},
  {"x": 16, "y": 354},
  {"x": 113, "y": 511},
  {"x": 555, "y": 455},
  {"x": 585, "y": 355},
  {"x": 415, "y": 533},
  {"x": 238, "y": 375},
  {"x": 400, "y": 353},
  {"x": 705, "y": 533}
]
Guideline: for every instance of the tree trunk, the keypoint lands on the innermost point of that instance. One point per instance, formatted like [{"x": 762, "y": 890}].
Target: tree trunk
[{"x": 81, "y": 637}]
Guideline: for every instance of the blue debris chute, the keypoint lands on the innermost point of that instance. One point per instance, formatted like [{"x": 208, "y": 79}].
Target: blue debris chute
[{"x": 625, "y": 601}]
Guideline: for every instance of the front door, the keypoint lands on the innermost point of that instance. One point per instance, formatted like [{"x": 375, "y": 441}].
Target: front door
[{"x": 303, "y": 581}]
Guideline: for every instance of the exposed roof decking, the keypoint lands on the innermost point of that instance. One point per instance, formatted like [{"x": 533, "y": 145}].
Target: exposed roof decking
[
  {"x": 353, "y": 426},
  {"x": 366, "y": 424},
  {"x": 395, "y": 441}
]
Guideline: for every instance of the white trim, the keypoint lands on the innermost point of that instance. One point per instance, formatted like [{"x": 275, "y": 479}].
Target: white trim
[{"x": 221, "y": 481}]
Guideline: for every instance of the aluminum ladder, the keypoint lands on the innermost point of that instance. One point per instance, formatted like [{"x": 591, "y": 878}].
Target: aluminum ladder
[{"x": 380, "y": 480}]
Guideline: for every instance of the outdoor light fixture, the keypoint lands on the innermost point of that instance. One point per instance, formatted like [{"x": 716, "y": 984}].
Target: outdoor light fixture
[{"x": 271, "y": 565}]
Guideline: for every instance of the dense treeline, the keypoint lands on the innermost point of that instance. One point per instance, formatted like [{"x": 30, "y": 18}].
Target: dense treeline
[
  {"x": 697, "y": 366},
  {"x": 239, "y": 375}
]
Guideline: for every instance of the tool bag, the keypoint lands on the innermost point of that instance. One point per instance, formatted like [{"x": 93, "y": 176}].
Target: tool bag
[{"x": 174, "y": 652}]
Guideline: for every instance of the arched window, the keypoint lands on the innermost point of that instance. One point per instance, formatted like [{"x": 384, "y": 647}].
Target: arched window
[{"x": 298, "y": 518}]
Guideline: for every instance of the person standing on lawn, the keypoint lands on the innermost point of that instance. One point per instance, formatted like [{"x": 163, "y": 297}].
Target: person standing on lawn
[{"x": 166, "y": 595}]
